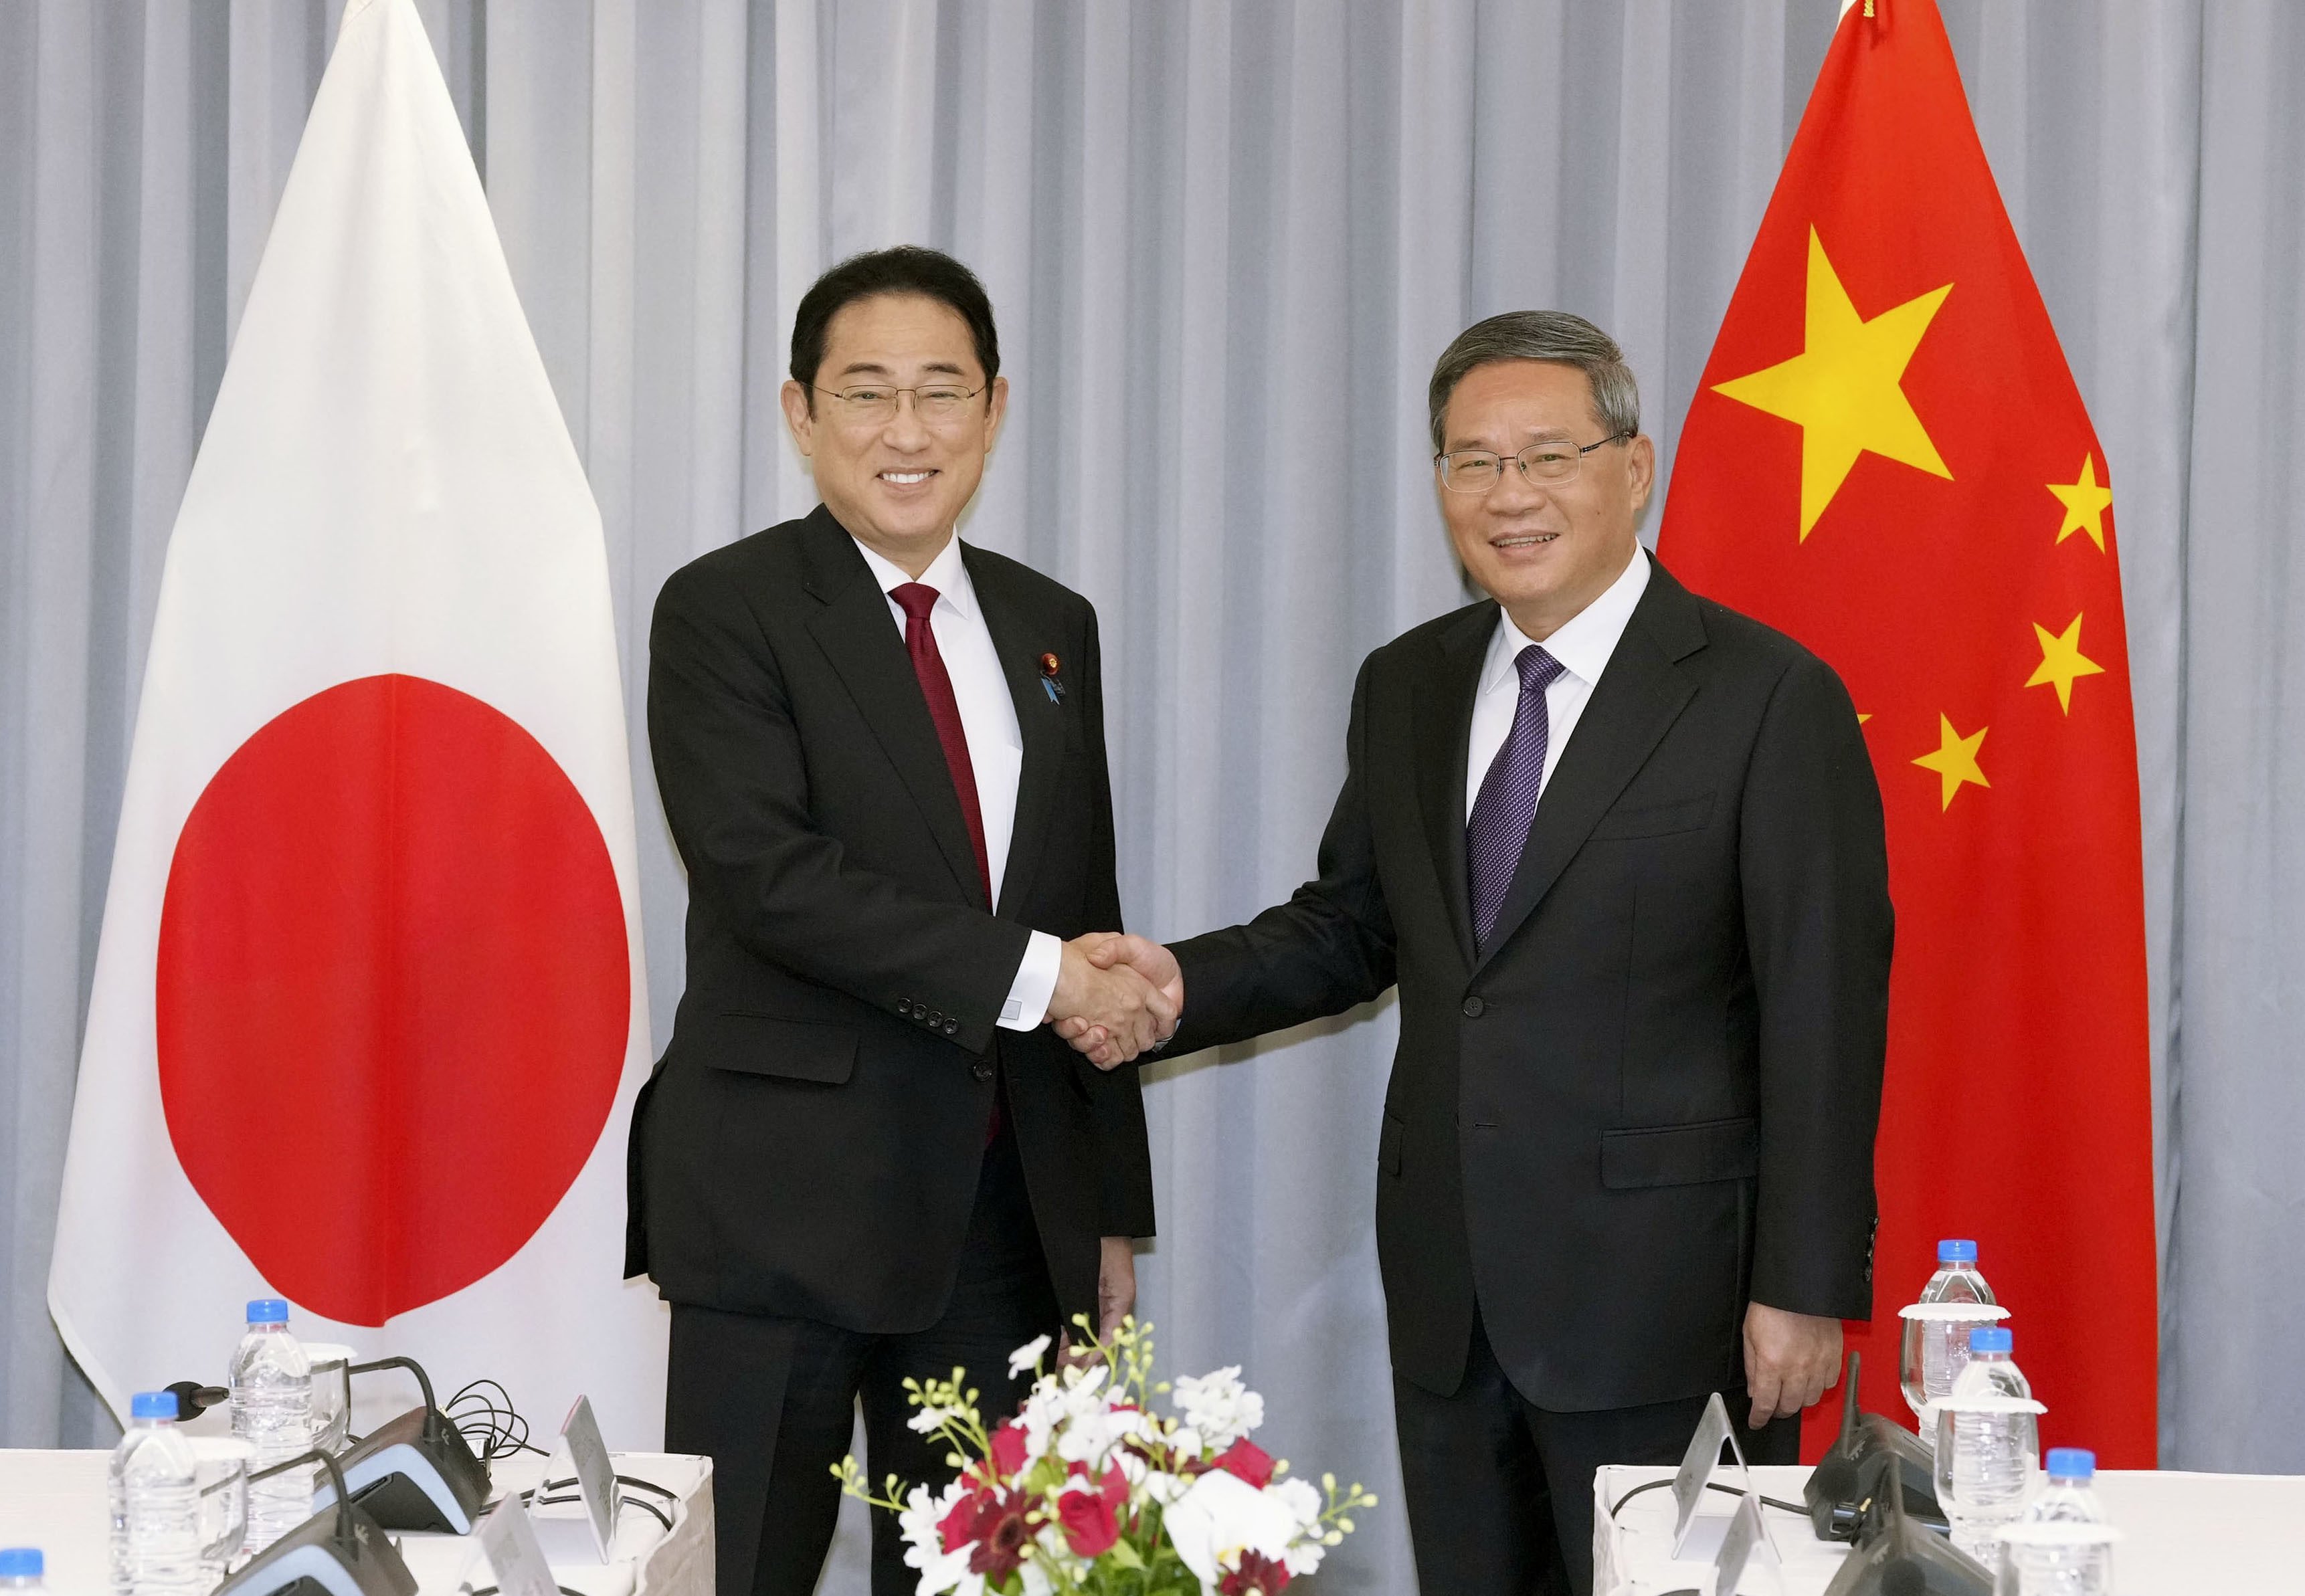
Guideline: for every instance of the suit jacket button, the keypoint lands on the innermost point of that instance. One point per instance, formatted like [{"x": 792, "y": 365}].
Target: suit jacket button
[
  {"x": 951, "y": 1026},
  {"x": 981, "y": 1070},
  {"x": 934, "y": 1018},
  {"x": 1475, "y": 1008}
]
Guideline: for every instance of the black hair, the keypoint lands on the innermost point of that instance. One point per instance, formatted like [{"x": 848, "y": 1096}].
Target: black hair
[{"x": 907, "y": 268}]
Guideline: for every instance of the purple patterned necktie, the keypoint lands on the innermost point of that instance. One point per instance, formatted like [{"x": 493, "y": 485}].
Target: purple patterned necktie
[{"x": 1506, "y": 805}]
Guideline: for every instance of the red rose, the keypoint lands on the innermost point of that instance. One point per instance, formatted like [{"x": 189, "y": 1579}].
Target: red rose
[
  {"x": 1088, "y": 1522},
  {"x": 1009, "y": 1449},
  {"x": 1245, "y": 1460},
  {"x": 1257, "y": 1575}
]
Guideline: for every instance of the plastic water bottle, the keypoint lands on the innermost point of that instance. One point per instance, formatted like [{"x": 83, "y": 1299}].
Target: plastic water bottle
[
  {"x": 1993, "y": 1454},
  {"x": 22, "y": 1568},
  {"x": 155, "y": 1510},
  {"x": 272, "y": 1412},
  {"x": 1936, "y": 1349},
  {"x": 2050, "y": 1570}
]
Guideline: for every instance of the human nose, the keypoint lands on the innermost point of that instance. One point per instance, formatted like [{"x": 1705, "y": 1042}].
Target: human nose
[
  {"x": 1513, "y": 491},
  {"x": 906, "y": 430}
]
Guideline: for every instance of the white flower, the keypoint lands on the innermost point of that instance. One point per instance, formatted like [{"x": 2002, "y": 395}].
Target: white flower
[
  {"x": 1037, "y": 1581},
  {"x": 1161, "y": 1488},
  {"x": 1219, "y": 1407},
  {"x": 1223, "y": 1516},
  {"x": 940, "y": 1570},
  {"x": 1027, "y": 1356},
  {"x": 1303, "y": 1503}
]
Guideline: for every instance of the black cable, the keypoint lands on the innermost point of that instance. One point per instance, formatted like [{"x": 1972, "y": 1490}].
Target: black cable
[
  {"x": 666, "y": 1492},
  {"x": 499, "y": 1426},
  {"x": 649, "y": 1507},
  {"x": 491, "y": 1591},
  {"x": 1793, "y": 1508}
]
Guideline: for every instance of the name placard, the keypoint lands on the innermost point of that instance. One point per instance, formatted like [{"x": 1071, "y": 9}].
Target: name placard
[
  {"x": 1700, "y": 1463},
  {"x": 596, "y": 1475},
  {"x": 509, "y": 1541}
]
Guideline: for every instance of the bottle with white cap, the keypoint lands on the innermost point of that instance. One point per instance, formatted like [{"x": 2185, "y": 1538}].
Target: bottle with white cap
[
  {"x": 1935, "y": 1349},
  {"x": 22, "y": 1568},
  {"x": 156, "y": 1513},
  {"x": 272, "y": 1412},
  {"x": 2060, "y": 1565}
]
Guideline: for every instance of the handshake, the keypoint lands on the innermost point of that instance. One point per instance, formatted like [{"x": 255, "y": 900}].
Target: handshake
[{"x": 1117, "y": 997}]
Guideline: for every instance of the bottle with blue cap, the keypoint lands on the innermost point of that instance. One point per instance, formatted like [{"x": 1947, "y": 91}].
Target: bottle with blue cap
[
  {"x": 22, "y": 1568},
  {"x": 1935, "y": 1348},
  {"x": 272, "y": 1412},
  {"x": 156, "y": 1512},
  {"x": 2050, "y": 1566},
  {"x": 1995, "y": 1455}
]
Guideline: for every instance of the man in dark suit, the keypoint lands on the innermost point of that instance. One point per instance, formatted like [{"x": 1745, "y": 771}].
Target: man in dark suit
[
  {"x": 1622, "y": 850},
  {"x": 881, "y": 753}
]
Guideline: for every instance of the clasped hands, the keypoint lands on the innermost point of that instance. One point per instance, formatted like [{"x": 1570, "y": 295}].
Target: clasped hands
[{"x": 1116, "y": 995}]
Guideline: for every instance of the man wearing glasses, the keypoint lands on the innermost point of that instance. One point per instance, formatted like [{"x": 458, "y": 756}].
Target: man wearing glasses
[
  {"x": 881, "y": 753},
  {"x": 1622, "y": 850}
]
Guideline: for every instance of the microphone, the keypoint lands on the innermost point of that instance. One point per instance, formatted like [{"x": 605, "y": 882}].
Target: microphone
[
  {"x": 415, "y": 1471},
  {"x": 1837, "y": 1492},
  {"x": 1895, "y": 1555},
  {"x": 193, "y": 1398},
  {"x": 343, "y": 1553}
]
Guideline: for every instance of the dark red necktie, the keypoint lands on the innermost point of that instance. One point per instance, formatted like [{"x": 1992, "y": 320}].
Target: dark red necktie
[{"x": 916, "y": 600}]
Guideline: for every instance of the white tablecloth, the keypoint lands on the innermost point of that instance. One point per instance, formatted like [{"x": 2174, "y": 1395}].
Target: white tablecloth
[
  {"x": 2183, "y": 1534},
  {"x": 55, "y": 1501}
]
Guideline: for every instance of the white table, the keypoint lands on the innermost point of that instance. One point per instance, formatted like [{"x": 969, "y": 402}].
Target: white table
[
  {"x": 55, "y": 1501},
  {"x": 2182, "y": 1533}
]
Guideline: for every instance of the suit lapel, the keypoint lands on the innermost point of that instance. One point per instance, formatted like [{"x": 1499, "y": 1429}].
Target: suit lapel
[
  {"x": 865, "y": 646},
  {"x": 1639, "y": 696},
  {"x": 1443, "y": 708},
  {"x": 1020, "y": 647}
]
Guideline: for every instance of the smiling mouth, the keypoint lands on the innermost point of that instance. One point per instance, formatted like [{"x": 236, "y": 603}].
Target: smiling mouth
[
  {"x": 906, "y": 479},
  {"x": 1523, "y": 540}
]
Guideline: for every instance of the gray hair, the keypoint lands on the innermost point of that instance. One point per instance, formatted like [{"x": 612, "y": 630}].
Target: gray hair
[{"x": 1552, "y": 335}]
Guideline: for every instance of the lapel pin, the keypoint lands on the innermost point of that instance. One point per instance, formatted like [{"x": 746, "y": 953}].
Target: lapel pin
[{"x": 1049, "y": 665}]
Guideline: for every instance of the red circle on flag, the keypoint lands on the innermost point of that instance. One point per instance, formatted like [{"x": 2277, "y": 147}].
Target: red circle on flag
[{"x": 393, "y": 989}]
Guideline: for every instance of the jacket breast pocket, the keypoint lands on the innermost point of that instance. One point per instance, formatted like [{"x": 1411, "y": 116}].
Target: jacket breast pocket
[
  {"x": 1657, "y": 819},
  {"x": 1680, "y": 1155},
  {"x": 792, "y": 1050}
]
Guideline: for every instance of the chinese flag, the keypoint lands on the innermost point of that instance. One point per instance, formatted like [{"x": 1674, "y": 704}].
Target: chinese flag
[{"x": 1887, "y": 458}]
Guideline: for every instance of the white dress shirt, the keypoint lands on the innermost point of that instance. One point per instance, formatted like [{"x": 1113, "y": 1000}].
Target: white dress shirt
[
  {"x": 996, "y": 747},
  {"x": 1582, "y": 645}
]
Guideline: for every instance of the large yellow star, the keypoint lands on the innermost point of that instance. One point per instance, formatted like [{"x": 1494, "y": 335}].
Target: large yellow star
[
  {"x": 2084, "y": 504},
  {"x": 2061, "y": 661},
  {"x": 1841, "y": 390},
  {"x": 1955, "y": 760}
]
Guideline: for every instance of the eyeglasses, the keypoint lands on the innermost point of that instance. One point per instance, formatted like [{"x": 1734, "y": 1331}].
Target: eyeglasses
[
  {"x": 874, "y": 403},
  {"x": 1476, "y": 471}
]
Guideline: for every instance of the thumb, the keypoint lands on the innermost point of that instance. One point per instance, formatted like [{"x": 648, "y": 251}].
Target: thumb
[{"x": 1111, "y": 951}]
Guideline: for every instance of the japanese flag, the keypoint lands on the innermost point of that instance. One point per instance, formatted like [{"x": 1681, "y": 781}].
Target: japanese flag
[{"x": 368, "y": 1010}]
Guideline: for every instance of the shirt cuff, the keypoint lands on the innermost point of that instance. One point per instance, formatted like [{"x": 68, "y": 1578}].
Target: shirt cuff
[{"x": 1036, "y": 983}]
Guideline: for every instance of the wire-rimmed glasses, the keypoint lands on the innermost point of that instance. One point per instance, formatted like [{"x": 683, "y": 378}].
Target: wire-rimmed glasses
[
  {"x": 874, "y": 403},
  {"x": 1551, "y": 462}
]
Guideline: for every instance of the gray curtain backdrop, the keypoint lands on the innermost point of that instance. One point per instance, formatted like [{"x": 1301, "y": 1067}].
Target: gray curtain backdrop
[{"x": 1226, "y": 241}]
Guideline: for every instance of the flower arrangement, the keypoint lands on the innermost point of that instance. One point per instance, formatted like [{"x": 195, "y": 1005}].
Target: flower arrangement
[{"x": 1088, "y": 1489}]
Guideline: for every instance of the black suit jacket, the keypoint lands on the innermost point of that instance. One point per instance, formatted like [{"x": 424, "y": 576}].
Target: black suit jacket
[
  {"x": 1653, "y": 1097},
  {"x": 809, "y": 1144}
]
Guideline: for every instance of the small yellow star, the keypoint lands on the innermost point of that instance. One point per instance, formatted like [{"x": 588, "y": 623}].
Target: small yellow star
[
  {"x": 2061, "y": 661},
  {"x": 2084, "y": 504},
  {"x": 1955, "y": 760},
  {"x": 1841, "y": 390}
]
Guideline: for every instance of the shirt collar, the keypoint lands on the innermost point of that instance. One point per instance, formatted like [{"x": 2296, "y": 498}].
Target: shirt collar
[
  {"x": 947, "y": 573},
  {"x": 1583, "y": 642}
]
